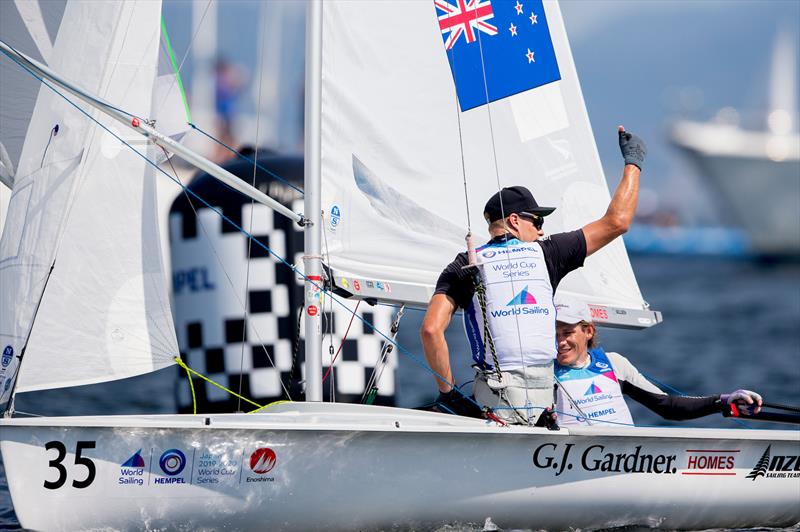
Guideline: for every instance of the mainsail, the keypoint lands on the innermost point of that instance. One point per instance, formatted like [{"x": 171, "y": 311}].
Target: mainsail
[
  {"x": 399, "y": 143},
  {"x": 84, "y": 204}
]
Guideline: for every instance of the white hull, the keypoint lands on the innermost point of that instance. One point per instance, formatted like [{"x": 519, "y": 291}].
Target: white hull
[
  {"x": 345, "y": 467},
  {"x": 758, "y": 177}
]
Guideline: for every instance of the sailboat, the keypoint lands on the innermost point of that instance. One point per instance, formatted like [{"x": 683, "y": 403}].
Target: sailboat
[
  {"x": 390, "y": 145},
  {"x": 756, "y": 170}
]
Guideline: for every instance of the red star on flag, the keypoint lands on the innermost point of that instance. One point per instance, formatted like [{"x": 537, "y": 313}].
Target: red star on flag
[
  {"x": 529, "y": 55},
  {"x": 533, "y": 18},
  {"x": 518, "y": 7},
  {"x": 513, "y": 30}
]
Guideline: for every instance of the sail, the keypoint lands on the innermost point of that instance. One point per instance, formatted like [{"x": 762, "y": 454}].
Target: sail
[
  {"x": 405, "y": 155},
  {"x": 85, "y": 204}
]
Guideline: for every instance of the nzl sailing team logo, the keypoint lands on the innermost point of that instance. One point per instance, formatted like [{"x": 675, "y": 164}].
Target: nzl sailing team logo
[
  {"x": 505, "y": 44},
  {"x": 777, "y": 466}
]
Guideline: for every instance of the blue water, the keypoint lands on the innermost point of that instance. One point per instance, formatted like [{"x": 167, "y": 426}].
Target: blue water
[{"x": 727, "y": 324}]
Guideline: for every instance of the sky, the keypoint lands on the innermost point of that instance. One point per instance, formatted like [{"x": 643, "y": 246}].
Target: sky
[{"x": 641, "y": 63}]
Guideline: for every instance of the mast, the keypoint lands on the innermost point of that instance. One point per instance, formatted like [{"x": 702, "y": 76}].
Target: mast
[{"x": 312, "y": 259}]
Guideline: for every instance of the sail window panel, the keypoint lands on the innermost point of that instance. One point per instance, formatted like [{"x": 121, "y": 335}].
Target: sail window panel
[{"x": 16, "y": 221}]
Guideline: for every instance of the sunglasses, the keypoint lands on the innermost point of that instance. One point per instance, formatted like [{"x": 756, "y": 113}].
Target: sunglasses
[{"x": 536, "y": 220}]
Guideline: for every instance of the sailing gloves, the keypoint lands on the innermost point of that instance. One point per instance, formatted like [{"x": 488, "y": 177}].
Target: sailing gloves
[
  {"x": 742, "y": 401},
  {"x": 633, "y": 148},
  {"x": 455, "y": 402}
]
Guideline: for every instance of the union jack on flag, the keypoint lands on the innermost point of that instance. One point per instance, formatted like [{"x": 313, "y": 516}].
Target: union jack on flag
[
  {"x": 507, "y": 48},
  {"x": 464, "y": 18}
]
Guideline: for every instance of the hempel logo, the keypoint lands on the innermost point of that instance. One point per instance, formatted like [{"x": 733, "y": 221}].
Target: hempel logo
[{"x": 779, "y": 466}]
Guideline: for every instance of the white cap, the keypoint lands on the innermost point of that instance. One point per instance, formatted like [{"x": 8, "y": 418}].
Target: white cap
[{"x": 571, "y": 310}]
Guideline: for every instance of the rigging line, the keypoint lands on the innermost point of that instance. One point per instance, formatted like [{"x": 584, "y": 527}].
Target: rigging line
[
  {"x": 185, "y": 189},
  {"x": 387, "y": 349},
  {"x": 250, "y": 226},
  {"x": 341, "y": 344},
  {"x": 248, "y": 159},
  {"x": 188, "y": 49},
  {"x": 167, "y": 46},
  {"x": 53, "y": 133},
  {"x": 502, "y": 207},
  {"x": 461, "y": 141},
  {"x": 266, "y": 248},
  {"x": 330, "y": 322},
  {"x": 218, "y": 258},
  {"x": 99, "y": 102}
]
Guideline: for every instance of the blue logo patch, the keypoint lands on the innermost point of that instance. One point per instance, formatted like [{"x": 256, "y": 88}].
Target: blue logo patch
[
  {"x": 8, "y": 354},
  {"x": 172, "y": 462}
]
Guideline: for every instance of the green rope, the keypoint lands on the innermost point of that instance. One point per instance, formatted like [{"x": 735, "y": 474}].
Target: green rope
[
  {"x": 174, "y": 64},
  {"x": 191, "y": 384}
]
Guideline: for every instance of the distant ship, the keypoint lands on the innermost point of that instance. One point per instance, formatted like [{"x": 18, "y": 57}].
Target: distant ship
[{"x": 756, "y": 172}]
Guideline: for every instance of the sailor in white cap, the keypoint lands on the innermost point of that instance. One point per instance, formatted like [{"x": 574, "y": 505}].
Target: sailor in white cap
[{"x": 591, "y": 383}]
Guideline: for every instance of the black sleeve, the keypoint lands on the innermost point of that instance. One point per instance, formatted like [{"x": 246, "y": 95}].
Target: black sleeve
[
  {"x": 563, "y": 252},
  {"x": 456, "y": 282},
  {"x": 674, "y": 407}
]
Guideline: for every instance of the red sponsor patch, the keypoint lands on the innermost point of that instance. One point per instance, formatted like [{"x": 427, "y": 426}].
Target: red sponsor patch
[
  {"x": 712, "y": 462},
  {"x": 312, "y": 310},
  {"x": 263, "y": 460},
  {"x": 598, "y": 313}
]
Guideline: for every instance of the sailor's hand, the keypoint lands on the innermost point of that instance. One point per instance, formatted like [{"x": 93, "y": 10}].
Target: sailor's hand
[
  {"x": 455, "y": 402},
  {"x": 744, "y": 401},
  {"x": 633, "y": 148}
]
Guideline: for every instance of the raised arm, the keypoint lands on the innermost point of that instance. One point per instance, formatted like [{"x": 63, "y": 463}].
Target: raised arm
[
  {"x": 437, "y": 318},
  {"x": 617, "y": 219}
]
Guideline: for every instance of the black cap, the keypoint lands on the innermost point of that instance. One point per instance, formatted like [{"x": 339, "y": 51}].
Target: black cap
[{"x": 514, "y": 199}]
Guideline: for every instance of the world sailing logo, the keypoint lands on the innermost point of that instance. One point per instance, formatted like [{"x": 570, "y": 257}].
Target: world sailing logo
[
  {"x": 521, "y": 303},
  {"x": 592, "y": 390},
  {"x": 131, "y": 472},
  {"x": 523, "y": 298}
]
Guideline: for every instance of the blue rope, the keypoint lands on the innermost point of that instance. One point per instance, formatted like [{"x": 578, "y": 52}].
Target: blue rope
[{"x": 249, "y": 160}]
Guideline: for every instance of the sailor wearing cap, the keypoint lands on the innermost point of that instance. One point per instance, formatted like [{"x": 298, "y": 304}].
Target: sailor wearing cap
[
  {"x": 591, "y": 382},
  {"x": 507, "y": 297}
]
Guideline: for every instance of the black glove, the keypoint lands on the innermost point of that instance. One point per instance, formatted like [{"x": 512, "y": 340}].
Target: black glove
[
  {"x": 633, "y": 148},
  {"x": 454, "y": 402}
]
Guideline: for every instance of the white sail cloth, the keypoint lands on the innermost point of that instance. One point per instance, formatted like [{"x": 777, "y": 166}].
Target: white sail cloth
[
  {"x": 392, "y": 185},
  {"x": 85, "y": 203}
]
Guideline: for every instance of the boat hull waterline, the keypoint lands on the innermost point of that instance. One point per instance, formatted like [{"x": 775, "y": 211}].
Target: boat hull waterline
[{"x": 372, "y": 467}]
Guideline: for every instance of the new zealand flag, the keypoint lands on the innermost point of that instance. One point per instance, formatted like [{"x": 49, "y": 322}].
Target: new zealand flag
[{"x": 496, "y": 48}]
